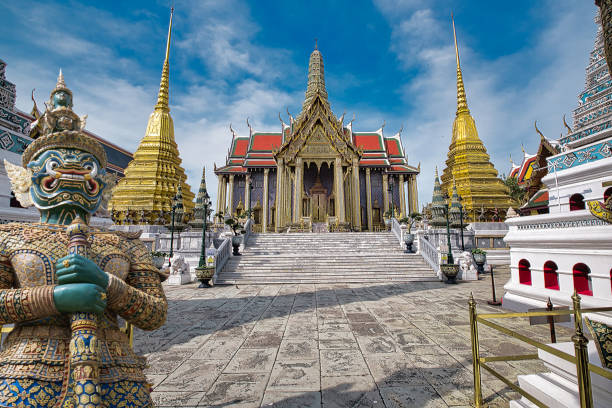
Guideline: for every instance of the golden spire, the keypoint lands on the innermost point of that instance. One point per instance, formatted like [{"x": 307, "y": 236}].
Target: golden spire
[
  {"x": 162, "y": 96},
  {"x": 316, "y": 78},
  {"x": 468, "y": 162},
  {"x": 155, "y": 174},
  {"x": 461, "y": 99}
]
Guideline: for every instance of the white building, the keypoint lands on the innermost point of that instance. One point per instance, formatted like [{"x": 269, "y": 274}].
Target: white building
[{"x": 569, "y": 249}]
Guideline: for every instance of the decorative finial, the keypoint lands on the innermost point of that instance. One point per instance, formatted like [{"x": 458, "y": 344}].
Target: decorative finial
[
  {"x": 436, "y": 172},
  {"x": 461, "y": 98},
  {"x": 60, "y": 80},
  {"x": 569, "y": 129},
  {"x": 316, "y": 44},
  {"x": 535, "y": 124},
  {"x": 163, "y": 95}
]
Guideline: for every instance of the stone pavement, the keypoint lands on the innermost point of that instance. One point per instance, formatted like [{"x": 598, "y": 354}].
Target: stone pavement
[{"x": 331, "y": 345}]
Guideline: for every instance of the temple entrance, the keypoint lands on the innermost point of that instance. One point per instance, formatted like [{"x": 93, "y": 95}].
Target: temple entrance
[{"x": 318, "y": 194}]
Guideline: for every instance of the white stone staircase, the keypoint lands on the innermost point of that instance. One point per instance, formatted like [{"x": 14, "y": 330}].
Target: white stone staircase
[{"x": 324, "y": 258}]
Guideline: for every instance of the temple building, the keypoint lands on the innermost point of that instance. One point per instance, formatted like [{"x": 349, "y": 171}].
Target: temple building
[
  {"x": 317, "y": 173},
  {"x": 484, "y": 196},
  {"x": 17, "y": 130},
  {"x": 144, "y": 195},
  {"x": 559, "y": 246}
]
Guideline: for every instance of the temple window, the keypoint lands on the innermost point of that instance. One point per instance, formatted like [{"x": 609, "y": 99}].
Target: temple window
[
  {"x": 607, "y": 193},
  {"x": 582, "y": 279},
  {"x": 576, "y": 202},
  {"x": 551, "y": 277},
  {"x": 524, "y": 272}
]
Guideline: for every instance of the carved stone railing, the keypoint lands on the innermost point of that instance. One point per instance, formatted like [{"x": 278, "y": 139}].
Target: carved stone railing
[
  {"x": 398, "y": 230},
  {"x": 248, "y": 228},
  {"x": 429, "y": 252},
  {"x": 222, "y": 255}
]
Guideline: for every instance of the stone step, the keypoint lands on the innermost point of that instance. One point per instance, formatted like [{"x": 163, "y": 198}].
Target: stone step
[{"x": 324, "y": 258}]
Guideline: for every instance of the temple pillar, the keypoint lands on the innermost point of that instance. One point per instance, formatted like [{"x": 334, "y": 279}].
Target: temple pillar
[
  {"x": 280, "y": 172},
  {"x": 402, "y": 194},
  {"x": 221, "y": 194},
  {"x": 385, "y": 188},
  {"x": 230, "y": 195},
  {"x": 247, "y": 192},
  {"x": 414, "y": 194},
  {"x": 356, "y": 196},
  {"x": 369, "y": 199},
  {"x": 264, "y": 221},
  {"x": 339, "y": 189},
  {"x": 298, "y": 188}
]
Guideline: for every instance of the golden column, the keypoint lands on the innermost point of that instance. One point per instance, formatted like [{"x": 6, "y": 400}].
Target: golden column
[
  {"x": 369, "y": 198},
  {"x": 247, "y": 192},
  {"x": 230, "y": 195},
  {"x": 264, "y": 222},
  {"x": 298, "y": 188},
  {"x": 221, "y": 194},
  {"x": 412, "y": 194},
  {"x": 402, "y": 194},
  {"x": 385, "y": 187},
  {"x": 339, "y": 189},
  {"x": 280, "y": 172},
  {"x": 356, "y": 197}
]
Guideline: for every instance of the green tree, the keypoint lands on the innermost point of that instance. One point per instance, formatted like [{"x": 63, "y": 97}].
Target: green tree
[{"x": 517, "y": 192}]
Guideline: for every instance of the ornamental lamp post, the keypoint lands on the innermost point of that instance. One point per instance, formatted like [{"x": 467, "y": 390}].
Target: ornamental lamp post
[
  {"x": 250, "y": 195},
  {"x": 461, "y": 222},
  {"x": 202, "y": 271},
  {"x": 175, "y": 205},
  {"x": 450, "y": 259},
  {"x": 449, "y": 269}
]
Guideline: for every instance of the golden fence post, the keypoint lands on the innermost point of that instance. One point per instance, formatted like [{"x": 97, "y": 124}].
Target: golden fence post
[
  {"x": 582, "y": 357},
  {"x": 475, "y": 353}
]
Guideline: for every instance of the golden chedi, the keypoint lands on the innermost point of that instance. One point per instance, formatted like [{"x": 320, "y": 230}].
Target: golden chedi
[
  {"x": 144, "y": 195},
  {"x": 484, "y": 195}
]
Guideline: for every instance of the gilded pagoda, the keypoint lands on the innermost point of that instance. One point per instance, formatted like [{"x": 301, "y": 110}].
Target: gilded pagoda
[
  {"x": 144, "y": 195},
  {"x": 317, "y": 173},
  {"x": 484, "y": 195}
]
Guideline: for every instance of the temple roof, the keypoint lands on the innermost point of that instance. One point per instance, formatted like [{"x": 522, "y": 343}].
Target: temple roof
[
  {"x": 257, "y": 150},
  {"x": 260, "y": 149}
]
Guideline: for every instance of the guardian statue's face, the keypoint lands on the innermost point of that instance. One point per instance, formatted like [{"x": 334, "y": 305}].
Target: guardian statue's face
[
  {"x": 66, "y": 177},
  {"x": 62, "y": 98}
]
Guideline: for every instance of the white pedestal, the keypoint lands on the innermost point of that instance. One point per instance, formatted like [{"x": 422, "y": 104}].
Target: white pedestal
[
  {"x": 182, "y": 279},
  {"x": 559, "y": 388}
]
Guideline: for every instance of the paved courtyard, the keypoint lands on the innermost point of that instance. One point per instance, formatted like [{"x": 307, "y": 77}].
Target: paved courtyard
[{"x": 343, "y": 345}]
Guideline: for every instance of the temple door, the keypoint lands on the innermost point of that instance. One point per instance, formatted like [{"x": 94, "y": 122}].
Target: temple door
[{"x": 319, "y": 207}]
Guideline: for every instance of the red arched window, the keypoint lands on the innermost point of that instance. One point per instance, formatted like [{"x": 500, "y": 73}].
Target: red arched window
[
  {"x": 576, "y": 202},
  {"x": 607, "y": 193},
  {"x": 582, "y": 279},
  {"x": 551, "y": 277},
  {"x": 524, "y": 272}
]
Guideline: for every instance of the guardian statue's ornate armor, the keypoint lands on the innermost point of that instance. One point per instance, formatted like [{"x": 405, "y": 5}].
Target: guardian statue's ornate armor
[{"x": 61, "y": 300}]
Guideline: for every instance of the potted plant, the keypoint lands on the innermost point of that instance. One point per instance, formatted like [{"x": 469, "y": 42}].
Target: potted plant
[
  {"x": 237, "y": 228},
  {"x": 480, "y": 257},
  {"x": 388, "y": 215},
  {"x": 158, "y": 258},
  {"x": 450, "y": 271},
  {"x": 410, "y": 221}
]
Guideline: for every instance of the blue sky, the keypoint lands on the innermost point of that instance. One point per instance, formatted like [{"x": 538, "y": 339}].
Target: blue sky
[{"x": 384, "y": 60}]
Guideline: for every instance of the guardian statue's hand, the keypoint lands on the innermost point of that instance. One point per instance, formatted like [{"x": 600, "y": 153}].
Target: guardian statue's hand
[
  {"x": 79, "y": 297},
  {"x": 78, "y": 269}
]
